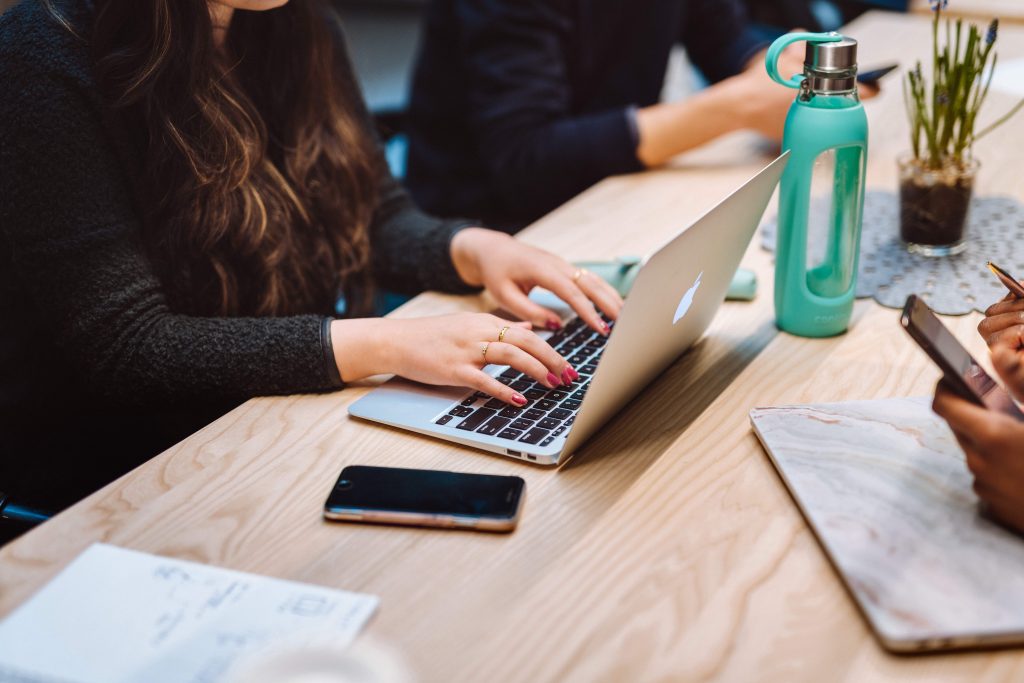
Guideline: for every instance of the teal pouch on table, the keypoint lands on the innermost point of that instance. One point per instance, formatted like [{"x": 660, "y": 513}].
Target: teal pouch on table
[{"x": 621, "y": 272}]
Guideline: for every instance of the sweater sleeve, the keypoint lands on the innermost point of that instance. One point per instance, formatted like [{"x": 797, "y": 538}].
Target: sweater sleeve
[
  {"x": 539, "y": 152},
  {"x": 718, "y": 38},
  {"x": 73, "y": 239},
  {"x": 411, "y": 250}
]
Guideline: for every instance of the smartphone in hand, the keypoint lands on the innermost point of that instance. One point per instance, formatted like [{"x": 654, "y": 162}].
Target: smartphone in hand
[
  {"x": 431, "y": 498},
  {"x": 966, "y": 377}
]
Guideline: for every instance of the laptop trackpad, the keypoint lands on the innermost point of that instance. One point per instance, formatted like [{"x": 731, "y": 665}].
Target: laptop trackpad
[{"x": 401, "y": 400}]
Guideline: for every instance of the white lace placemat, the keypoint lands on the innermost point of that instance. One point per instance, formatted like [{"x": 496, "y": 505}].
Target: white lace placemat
[{"x": 952, "y": 285}]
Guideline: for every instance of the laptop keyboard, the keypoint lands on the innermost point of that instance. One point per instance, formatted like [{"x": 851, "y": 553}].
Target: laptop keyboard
[{"x": 548, "y": 413}]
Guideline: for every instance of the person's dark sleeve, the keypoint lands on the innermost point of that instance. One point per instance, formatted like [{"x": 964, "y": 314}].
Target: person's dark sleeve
[
  {"x": 410, "y": 250},
  {"x": 717, "y": 37},
  {"x": 72, "y": 234},
  {"x": 538, "y": 153}
]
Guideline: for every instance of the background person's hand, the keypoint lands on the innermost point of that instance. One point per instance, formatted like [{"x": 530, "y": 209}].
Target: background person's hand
[
  {"x": 993, "y": 442},
  {"x": 765, "y": 104},
  {"x": 447, "y": 350},
  {"x": 509, "y": 269},
  {"x": 750, "y": 100}
]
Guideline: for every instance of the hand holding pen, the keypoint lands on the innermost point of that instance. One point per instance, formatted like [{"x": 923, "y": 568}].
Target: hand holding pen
[{"x": 1004, "y": 320}]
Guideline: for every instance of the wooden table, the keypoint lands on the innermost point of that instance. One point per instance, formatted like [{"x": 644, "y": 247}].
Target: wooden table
[
  {"x": 982, "y": 11},
  {"x": 667, "y": 549}
]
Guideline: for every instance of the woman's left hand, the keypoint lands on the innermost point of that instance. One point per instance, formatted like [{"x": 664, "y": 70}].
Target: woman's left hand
[
  {"x": 994, "y": 446},
  {"x": 509, "y": 269}
]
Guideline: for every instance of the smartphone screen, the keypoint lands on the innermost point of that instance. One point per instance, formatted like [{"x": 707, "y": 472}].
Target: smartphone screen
[
  {"x": 874, "y": 75},
  {"x": 426, "y": 498},
  {"x": 964, "y": 373}
]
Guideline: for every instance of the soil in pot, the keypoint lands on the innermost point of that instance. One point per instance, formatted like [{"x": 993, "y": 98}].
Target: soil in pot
[
  {"x": 934, "y": 214},
  {"x": 934, "y": 203}
]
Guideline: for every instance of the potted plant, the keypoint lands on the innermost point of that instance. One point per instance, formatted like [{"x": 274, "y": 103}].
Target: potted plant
[{"x": 937, "y": 177}]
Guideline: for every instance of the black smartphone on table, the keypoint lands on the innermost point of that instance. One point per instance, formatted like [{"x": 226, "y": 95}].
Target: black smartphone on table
[
  {"x": 431, "y": 498},
  {"x": 961, "y": 371}
]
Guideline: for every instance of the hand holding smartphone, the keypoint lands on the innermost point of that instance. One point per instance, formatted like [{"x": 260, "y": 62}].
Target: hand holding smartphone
[
  {"x": 966, "y": 377},
  {"x": 391, "y": 495}
]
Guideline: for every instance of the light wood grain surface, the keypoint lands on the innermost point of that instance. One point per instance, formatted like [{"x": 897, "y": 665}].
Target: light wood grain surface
[
  {"x": 667, "y": 549},
  {"x": 979, "y": 10}
]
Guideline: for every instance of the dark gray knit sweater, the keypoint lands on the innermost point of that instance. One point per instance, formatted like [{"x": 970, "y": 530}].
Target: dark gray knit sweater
[{"x": 94, "y": 367}]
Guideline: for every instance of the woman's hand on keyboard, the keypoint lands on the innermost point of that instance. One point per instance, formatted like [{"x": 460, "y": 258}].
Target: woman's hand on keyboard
[
  {"x": 509, "y": 269},
  {"x": 447, "y": 350}
]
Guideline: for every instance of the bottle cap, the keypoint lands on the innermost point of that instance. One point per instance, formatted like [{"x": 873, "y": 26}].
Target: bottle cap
[
  {"x": 835, "y": 56},
  {"x": 832, "y": 66}
]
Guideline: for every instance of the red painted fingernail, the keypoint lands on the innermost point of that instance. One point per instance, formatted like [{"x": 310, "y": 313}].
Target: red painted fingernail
[
  {"x": 518, "y": 398},
  {"x": 605, "y": 328},
  {"x": 573, "y": 373},
  {"x": 567, "y": 376},
  {"x": 552, "y": 380},
  {"x": 553, "y": 325}
]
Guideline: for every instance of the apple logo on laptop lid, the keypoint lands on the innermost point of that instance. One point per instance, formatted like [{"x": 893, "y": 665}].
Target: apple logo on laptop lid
[{"x": 687, "y": 300}]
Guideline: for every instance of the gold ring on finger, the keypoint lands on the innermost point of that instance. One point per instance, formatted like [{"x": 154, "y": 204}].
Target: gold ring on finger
[
  {"x": 501, "y": 335},
  {"x": 483, "y": 350},
  {"x": 580, "y": 272}
]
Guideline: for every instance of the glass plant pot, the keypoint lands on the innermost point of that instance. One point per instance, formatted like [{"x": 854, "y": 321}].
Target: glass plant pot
[{"x": 934, "y": 205}]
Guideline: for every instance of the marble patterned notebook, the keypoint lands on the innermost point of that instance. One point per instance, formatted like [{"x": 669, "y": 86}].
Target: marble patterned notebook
[{"x": 884, "y": 486}]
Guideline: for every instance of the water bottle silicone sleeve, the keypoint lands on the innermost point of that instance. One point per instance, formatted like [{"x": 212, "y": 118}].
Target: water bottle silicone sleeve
[{"x": 771, "y": 60}]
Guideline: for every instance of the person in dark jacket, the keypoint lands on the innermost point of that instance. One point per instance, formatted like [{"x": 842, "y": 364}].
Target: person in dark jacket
[
  {"x": 185, "y": 191},
  {"x": 518, "y": 105}
]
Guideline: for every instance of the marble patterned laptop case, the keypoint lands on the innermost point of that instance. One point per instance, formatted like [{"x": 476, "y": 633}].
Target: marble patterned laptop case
[{"x": 884, "y": 486}]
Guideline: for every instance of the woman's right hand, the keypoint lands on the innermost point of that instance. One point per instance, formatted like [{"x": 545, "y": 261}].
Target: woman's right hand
[
  {"x": 1004, "y": 324},
  {"x": 447, "y": 350}
]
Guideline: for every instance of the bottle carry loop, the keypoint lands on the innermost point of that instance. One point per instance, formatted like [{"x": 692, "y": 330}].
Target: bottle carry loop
[{"x": 771, "y": 59}]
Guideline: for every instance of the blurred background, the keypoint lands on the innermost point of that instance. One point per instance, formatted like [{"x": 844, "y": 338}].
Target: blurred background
[{"x": 383, "y": 36}]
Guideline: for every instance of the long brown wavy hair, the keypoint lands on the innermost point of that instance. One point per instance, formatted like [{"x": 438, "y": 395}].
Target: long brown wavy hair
[{"x": 259, "y": 177}]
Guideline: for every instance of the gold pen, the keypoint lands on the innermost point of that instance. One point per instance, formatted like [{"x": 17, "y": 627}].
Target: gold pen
[{"x": 1012, "y": 284}]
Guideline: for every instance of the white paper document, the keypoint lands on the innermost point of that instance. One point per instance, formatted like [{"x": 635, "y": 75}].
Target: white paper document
[{"x": 117, "y": 616}]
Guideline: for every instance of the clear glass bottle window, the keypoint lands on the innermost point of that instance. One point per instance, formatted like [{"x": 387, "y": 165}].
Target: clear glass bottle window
[{"x": 833, "y": 220}]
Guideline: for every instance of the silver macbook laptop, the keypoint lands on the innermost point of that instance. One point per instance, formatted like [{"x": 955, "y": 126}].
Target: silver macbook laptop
[{"x": 672, "y": 302}]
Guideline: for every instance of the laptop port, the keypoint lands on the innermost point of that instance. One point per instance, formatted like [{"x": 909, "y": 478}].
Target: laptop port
[
  {"x": 531, "y": 457},
  {"x": 515, "y": 454}
]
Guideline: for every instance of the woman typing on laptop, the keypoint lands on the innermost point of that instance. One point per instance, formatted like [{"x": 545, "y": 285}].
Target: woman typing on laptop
[
  {"x": 993, "y": 442},
  {"x": 187, "y": 189}
]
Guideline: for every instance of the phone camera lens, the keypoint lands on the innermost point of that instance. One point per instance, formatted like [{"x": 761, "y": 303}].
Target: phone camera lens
[{"x": 345, "y": 484}]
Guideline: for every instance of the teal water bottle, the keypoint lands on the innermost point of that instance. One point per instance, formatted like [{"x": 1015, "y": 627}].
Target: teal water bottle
[{"x": 821, "y": 196}]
